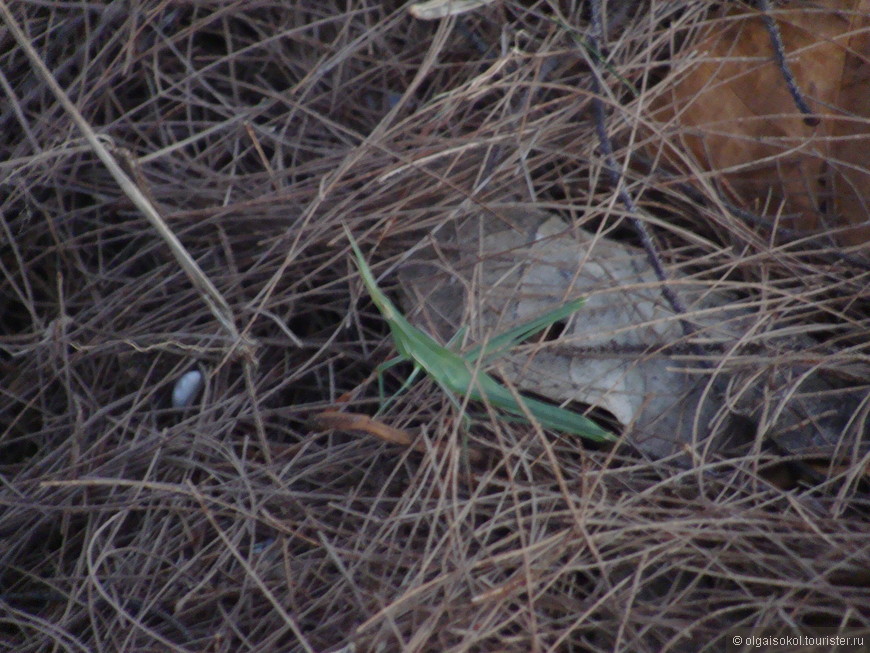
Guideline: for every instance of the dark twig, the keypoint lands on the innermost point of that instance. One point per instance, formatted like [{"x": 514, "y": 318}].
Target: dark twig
[
  {"x": 616, "y": 179},
  {"x": 779, "y": 56}
]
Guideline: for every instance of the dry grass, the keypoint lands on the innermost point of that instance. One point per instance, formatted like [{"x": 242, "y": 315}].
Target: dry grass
[{"x": 256, "y": 129}]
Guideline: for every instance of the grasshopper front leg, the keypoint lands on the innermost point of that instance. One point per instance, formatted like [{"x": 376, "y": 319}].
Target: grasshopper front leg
[{"x": 379, "y": 371}]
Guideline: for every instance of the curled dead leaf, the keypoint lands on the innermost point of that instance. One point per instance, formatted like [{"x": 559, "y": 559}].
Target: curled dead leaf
[{"x": 361, "y": 423}]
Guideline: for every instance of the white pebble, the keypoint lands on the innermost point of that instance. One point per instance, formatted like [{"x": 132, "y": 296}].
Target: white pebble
[{"x": 186, "y": 389}]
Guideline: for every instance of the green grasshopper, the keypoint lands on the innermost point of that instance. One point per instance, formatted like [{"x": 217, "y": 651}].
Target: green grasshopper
[{"x": 457, "y": 374}]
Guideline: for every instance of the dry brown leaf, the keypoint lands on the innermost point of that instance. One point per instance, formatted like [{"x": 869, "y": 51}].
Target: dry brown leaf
[{"x": 732, "y": 112}]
